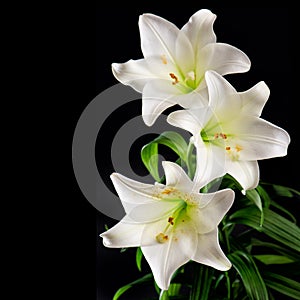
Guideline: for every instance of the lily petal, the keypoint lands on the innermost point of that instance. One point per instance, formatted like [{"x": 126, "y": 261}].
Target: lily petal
[
  {"x": 134, "y": 73},
  {"x": 220, "y": 92},
  {"x": 199, "y": 29},
  {"x": 245, "y": 172},
  {"x": 216, "y": 205},
  {"x": 259, "y": 138},
  {"x": 133, "y": 193},
  {"x": 191, "y": 120},
  {"x": 158, "y": 95},
  {"x": 210, "y": 163},
  {"x": 222, "y": 58},
  {"x": 210, "y": 253},
  {"x": 165, "y": 258},
  {"x": 158, "y": 36},
  {"x": 254, "y": 99},
  {"x": 185, "y": 57},
  {"x": 124, "y": 234},
  {"x": 152, "y": 212},
  {"x": 176, "y": 177}
]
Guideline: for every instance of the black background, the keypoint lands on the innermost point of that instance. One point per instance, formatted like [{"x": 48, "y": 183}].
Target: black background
[{"x": 105, "y": 35}]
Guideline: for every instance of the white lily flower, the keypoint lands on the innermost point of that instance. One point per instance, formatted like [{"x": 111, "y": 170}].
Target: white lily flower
[
  {"x": 175, "y": 61},
  {"x": 229, "y": 134},
  {"x": 172, "y": 223}
]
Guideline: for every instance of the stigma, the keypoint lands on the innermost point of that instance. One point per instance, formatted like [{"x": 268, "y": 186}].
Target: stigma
[{"x": 162, "y": 238}]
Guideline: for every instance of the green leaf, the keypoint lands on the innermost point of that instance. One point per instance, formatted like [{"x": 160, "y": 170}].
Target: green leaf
[
  {"x": 191, "y": 160},
  {"x": 283, "y": 191},
  {"x": 283, "y": 285},
  {"x": 250, "y": 275},
  {"x": 170, "y": 139},
  {"x": 264, "y": 195},
  {"x": 254, "y": 196},
  {"x": 275, "y": 226},
  {"x": 270, "y": 259},
  {"x": 123, "y": 289},
  {"x": 138, "y": 258},
  {"x": 202, "y": 282},
  {"x": 149, "y": 156},
  {"x": 278, "y": 248},
  {"x": 281, "y": 208}
]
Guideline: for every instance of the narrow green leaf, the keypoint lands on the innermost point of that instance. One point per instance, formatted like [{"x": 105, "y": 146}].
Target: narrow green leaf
[
  {"x": 191, "y": 160},
  {"x": 138, "y": 258},
  {"x": 278, "y": 248},
  {"x": 264, "y": 195},
  {"x": 275, "y": 226},
  {"x": 123, "y": 289},
  {"x": 283, "y": 191},
  {"x": 281, "y": 208},
  {"x": 270, "y": 259},
  {"x": 149, "y": 156},
  {"x": 250, "y": 275},
  {"x": 174, "y": 141},
  {"x": 254, "y": 196},
  {"x": 202, "y": 282},
  {"x": 170, "y": 139},
  {"x": 283, "y": 285}
]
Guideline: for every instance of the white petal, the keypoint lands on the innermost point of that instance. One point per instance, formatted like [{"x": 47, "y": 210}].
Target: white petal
[
  {"x": 185, "y": 57},
  {"x": 210, "y": 163},
  {"x": 192, "y": 120},
  {"x": 210, "y": 253},
  {"x": 254, "y": 99},
  {"x": 158, "y": 36},
  {"x": 134, "y": 73},
  {"x": 165, "y": 258},
  {"x": 152, "y": 212},
  {"x": 158, "y": 95},
  {"x": 176, "y": 177},
  {"x": 220, "y": 92},
  {"x": 245, "y": 172},
  {"x": 259, "y": 139},
  {"x": 222, "y": 58},
  {"x": 216, "y": 205},
  {"x": 124, "y": 234},
  {"x": 199, "y": 29},
  {"x": 133, "y": 193},
  {"x": 194, "y": 99}
]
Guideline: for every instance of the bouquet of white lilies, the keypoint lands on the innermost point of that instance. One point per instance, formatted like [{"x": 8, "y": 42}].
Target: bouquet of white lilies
[{"x": 208, "y": 227}]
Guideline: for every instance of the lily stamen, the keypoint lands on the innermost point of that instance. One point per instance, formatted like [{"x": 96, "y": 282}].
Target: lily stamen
[
  {"x": 173, "y": 76},
  {"x": 164, "y": 59}
]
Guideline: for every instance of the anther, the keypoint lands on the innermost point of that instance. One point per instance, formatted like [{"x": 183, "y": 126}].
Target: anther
[
  {"x": 170, "y": 220},
  {"x": 173, "y": 76},
  {"x": 167, "y": 191},
  {"x": 223, "y": 136},
  {"x": 164, "y": 59},
  {"x": 238, "y": 148}
]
